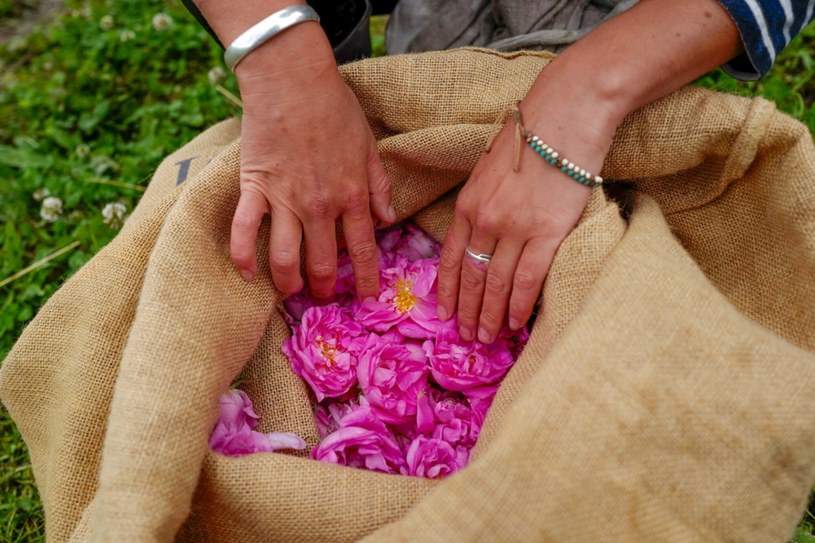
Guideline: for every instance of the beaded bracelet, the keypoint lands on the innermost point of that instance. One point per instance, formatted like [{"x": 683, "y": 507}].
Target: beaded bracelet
[
  {"x": 569, "y": 168},
  {"x": 546, "y": 152}
]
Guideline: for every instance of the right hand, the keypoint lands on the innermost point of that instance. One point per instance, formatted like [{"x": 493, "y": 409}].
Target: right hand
[{"x": 308, "y": 157}]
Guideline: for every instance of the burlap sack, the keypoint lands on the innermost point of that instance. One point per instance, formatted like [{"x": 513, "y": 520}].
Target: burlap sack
[{"x": 665, "y": 394}]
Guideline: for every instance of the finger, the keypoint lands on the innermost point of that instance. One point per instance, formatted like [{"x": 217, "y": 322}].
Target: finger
[
  {"x": 359, "y": 237},
  {"x": 321, "y": 257},
  {"x": 497, "y": 289},
  {"x": 379, "y": 186},
  {"x": 471, "y": 290},
  {"x": 252, "y": 205},
  {"x": 284, "y": 251},
  {"x": 532, "y": 268},
  {"x": 452, "y": 253}
]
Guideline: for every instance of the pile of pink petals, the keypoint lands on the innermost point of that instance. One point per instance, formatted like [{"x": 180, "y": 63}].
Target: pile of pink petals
[
  {"x": 396, "y": 390},
  {"x": 235, "y": 434}
]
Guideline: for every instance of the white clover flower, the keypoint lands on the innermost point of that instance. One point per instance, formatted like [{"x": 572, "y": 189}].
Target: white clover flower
[
  {"x": 126, "y": 35},
  {"x": 216, "y": 75},
  {"x": 114, "y": 213},
  {"x": 41, "y": 194},
  {"x": 162, "y": 22},
  {"x": 106, "y": 22},
  {"x": 82, "y": 150},
  {"x": 51, "y": 209}
]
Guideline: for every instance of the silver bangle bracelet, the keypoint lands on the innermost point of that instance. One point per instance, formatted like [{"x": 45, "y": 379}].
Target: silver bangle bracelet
[{"x": 269, "y": 27}]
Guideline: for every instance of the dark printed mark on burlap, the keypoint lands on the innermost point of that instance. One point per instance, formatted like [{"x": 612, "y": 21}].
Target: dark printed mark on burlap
[{"x": 184, "y": 168}]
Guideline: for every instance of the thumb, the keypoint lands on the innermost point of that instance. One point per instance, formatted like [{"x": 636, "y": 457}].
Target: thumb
[{"x": 379, "y": 186}]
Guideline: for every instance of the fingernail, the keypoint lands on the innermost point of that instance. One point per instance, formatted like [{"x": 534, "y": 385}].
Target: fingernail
[
  {"x": 247, "y": 275},
  {"x": 514, "y": 324},
  {"x": 442, "y": 313},
  {"x": 465, "y": 333},
  {"x": 391, "y": 214},
  {"x": 484, "y": 336}
]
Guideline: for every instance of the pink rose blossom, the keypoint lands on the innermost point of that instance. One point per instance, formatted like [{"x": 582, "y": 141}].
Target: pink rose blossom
[
  {"x": 458, "y": 365},
  {"x": 386, "y": 241},
  {"x": 250, "y": 441},
  {"x": 517, "y": 339},
  {"x": 415, "y": 244},
  {"x": 408, "y": 241},
  {"x": 448, "y": 416},
  {"x": 236, "y": 410},
  {"x": 295, "y": 305},
  {"x": 323, "y": 350},
  {"x": 407, "y": 300},
  {"x": 369, "y": 364},
  {"x": 391, "y": 377},
  {"x": 480, "y": 400},
  {"x": 456, "y": 423},
  {"x": 434, "y": 458},
  {"x": 362, "y": 441},
  {"x": 329, "y": 416},
  {"x": 234, "y": 435}
]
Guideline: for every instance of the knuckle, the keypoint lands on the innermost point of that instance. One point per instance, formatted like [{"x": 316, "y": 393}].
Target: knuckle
[
  {"x": 366, "y": 284},
  {"x": 381, "y": 184},
  {"x": 487, "y": 223},
  {"x": 253, "y": 179},
  {"x": 518, "y": 311},
  {"x": 470, "y": 279},
  {"x": 445, "y": 290},
  {"x": 244, "y": 220},
  {"x": 546, "y": 225},
  {"x": 467, "y": 315},
  {"x": 284, "y": 261},
  {"x": 463, "y": 204},
  {"x": 241, "y": 254},
  {"x": 363, "y": 253},
  {"x": 489, "y": 319},
  {"x": 355, "y": 198},
  {"x": 447, "y": 263},
  {"x": 525, "y": 281},
  {"x": 495, "y": 283},
  {"x": 321, "y": 272},
  {"x": 319, "y": 206},
  {"x": 241, "y": 258}
]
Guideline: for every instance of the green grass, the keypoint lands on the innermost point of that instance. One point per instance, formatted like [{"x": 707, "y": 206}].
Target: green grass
[
  {"x": 88, "y": 115},
  {"x": 15, "y": 8}
]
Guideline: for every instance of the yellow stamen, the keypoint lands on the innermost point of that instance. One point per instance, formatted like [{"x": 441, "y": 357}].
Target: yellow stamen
[
  {"x": 328, "y": 351},
  {"x": 404, "y": 299}
]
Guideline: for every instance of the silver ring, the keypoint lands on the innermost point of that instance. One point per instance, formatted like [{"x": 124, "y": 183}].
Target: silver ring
[{"x": 481, "y": 258}]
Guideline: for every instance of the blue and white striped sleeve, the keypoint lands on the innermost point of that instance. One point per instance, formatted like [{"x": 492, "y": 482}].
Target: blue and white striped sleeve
[{"x": 766, "y": 27}]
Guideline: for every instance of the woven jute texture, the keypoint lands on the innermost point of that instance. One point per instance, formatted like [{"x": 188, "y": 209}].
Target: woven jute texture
[{"x": 665, "y": 394}]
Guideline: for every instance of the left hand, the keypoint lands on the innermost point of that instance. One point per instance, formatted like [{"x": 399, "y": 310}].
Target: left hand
[{"x": 518, "y": 217}]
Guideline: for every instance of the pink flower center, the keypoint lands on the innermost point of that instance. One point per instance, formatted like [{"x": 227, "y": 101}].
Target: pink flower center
[
  {"x": 404, "y": 299},
  {"x": 328, "y": 351}
]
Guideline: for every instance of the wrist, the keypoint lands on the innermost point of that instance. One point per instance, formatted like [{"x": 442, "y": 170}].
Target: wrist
[
  {"x": 300, "y": 53},
  {"x": 579, "y": 124}
]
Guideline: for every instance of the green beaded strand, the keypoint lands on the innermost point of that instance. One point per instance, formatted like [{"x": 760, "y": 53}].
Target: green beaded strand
[{"x": 552, "y": 157}]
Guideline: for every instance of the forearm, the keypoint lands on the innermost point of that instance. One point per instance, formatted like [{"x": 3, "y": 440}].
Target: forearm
[{"x": 639, "y": 56}]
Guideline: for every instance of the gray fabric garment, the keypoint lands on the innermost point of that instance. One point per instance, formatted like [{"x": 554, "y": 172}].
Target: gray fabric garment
[{"x": 506, "y": 25}]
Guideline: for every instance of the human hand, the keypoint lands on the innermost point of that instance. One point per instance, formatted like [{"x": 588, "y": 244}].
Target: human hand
[
  {"x": 308, "y": 157},
  {"x": 518, "y": 217}
]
